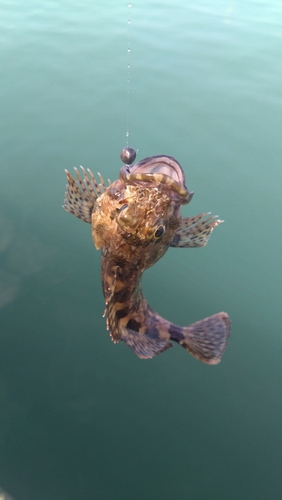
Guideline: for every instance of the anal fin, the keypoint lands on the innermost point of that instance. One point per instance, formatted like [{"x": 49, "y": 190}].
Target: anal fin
[{"x": 144, "y": 345}]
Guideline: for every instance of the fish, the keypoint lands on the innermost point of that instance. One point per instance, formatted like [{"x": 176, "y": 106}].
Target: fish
[{"x": 134, "y": 221}]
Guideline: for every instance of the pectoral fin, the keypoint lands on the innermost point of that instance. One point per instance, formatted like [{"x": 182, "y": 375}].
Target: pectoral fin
[
  {"x": 81, "y": 194},
  {"x": 195, "y": 231}
]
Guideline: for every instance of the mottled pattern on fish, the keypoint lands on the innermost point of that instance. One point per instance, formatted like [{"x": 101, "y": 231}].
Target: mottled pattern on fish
[{"x": 134, "y": 221}]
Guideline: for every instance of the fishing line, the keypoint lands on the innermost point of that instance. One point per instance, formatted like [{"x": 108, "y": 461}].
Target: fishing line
[
  {"x": 128, "y": 154},
  {"x": 128, "y": 72}
]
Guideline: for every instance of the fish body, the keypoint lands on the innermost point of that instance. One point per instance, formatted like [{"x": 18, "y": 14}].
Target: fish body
[{"x": 134, "y": 222}]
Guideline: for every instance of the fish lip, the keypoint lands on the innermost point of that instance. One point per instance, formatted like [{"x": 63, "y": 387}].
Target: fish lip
[{"x": 160, "y": 169}]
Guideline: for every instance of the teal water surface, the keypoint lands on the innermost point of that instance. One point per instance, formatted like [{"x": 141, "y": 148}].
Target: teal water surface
[{"x": 81, "y": 417}]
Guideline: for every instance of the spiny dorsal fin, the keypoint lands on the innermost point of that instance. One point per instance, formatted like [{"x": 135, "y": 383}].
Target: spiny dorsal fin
[{"x": 81, "y": 194}]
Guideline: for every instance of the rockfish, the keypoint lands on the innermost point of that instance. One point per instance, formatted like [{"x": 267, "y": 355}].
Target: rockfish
[{"x": 134, "y": 221}]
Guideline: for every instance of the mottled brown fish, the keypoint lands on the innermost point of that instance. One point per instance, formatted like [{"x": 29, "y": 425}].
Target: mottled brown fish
[{"x": 134, "y": 221}]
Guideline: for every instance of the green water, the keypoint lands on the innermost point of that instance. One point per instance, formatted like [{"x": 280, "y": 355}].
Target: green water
[{"x": 81, "y": 417}]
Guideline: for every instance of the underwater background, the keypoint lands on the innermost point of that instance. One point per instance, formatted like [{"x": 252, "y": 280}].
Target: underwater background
[{"x": 81, "y": 417}]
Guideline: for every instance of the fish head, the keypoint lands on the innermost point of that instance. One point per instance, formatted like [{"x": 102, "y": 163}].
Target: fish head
[{"x": 137, "y": 216}]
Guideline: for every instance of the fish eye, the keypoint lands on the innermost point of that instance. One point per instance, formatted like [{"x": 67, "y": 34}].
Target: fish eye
[
  {"x": 123, "y": 207},
  {"x": 159, "y": 232}
]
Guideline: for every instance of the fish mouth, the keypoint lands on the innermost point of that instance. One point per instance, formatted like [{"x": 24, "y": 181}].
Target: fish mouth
[{"x": 160, "y": 169}]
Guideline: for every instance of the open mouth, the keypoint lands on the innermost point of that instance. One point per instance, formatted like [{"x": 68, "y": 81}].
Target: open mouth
[{"x": 159, "y": 169}]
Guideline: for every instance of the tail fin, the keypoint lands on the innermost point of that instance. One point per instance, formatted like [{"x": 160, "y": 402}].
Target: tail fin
[{"x": 206, "y": 340}]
